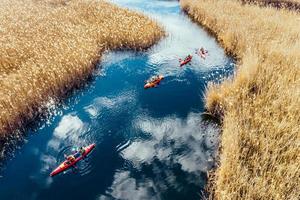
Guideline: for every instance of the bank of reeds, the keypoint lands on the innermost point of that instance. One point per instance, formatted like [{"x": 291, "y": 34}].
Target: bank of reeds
[
  {"x": 49, "y": 47},
  {"x": 260, "y": 107},
  {"x": 279, "y": 4}
]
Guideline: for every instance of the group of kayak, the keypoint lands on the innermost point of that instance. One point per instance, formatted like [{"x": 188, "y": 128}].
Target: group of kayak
[
  {"x": 82, "y": 152},
  {"x": 155, "y": 80}
]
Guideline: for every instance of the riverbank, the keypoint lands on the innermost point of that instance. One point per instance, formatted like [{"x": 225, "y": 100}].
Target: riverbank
[
  {"x": 49, "y": 47},
  {"x": 260, "y": 107},
  {"x": 279, "y": 4}
]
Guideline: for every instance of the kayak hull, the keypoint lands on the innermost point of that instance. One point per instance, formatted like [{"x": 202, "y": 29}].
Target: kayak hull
[
  {"x": 154, "y": 83},
  {"x": 184, "y": 62},
  {"x": 67, "y": 165}
]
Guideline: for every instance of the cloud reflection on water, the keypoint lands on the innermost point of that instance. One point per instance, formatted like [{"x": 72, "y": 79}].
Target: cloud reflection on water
[
  {"x": 126, "y": 187},
  {"x": 114, "y": 104},
  {"x": 184, "y": 141},
  {"x": 70, "y": 128},
  {"x": 189, "y": 144}
]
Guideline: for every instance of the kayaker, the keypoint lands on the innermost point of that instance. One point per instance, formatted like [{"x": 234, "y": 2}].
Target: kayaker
[
  {"x": 152, "y": 79},
  {"x": 202, "y": 52},
  {"x": 188, "y": 57},
  {"x": 81, "y": 150},
  {"x": 70, "y": 158}
]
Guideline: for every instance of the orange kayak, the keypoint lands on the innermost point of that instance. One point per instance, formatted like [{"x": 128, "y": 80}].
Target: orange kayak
[{"x": 154, "y": 83}]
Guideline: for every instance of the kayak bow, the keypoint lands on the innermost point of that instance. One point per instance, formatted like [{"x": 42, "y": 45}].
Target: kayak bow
[{"x": 67, "y": 164}]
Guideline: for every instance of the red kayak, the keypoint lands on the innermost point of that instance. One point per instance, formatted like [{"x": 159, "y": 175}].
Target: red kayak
[
  {"x": 67, "y": 164},
  {"x": 185, "y": 61}
]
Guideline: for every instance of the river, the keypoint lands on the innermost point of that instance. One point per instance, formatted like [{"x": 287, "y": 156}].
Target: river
[{"x": 150, "y": 144}]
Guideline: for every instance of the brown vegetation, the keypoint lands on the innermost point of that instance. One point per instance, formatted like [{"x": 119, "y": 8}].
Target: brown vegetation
[
  {"x": 49, "y": 47},
  {"x": 260, "y": 148},
  {"x": 279, "y": 4}
]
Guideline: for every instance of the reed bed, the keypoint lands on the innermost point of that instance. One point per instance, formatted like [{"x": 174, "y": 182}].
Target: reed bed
[
  {"x": 275, "y": 1},
  {"x": 260, "y": 141},
  {"x": 279, "y": 4},
  {"x": 298, "y": 1},
  {"x": 49, "y": 47}
]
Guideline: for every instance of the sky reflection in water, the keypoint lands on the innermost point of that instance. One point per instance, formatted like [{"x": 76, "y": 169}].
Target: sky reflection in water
[{"x": 150, "y": 144}]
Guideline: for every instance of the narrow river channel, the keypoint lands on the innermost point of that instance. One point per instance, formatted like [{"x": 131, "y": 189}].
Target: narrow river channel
[{"x": 150, "y": 144}]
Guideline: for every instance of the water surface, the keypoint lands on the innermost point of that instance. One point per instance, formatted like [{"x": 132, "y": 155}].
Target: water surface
[{"x": 151, "y": 144}]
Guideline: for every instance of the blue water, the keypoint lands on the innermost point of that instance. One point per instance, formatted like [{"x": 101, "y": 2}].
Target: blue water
[{"x": 151, "y": 144}]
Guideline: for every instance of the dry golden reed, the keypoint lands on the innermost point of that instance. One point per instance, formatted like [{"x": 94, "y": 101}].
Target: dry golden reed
[
  {"x": 278, "y": 4},
  {"x": 298, "y": 1},
  {"x": 279, "y": 1},
  {"x": 260, "y": 143},
  {"x": 48, "y": 47}
]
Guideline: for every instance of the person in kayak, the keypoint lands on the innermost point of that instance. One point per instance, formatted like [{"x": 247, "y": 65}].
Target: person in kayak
[
  {"x": 186, "y": 60},
  {"x": 70, "y": 158},
  {"x": 152, "y": 79},
  {"x": 188, "y": 57},
  {"x": 202, "y": 52},
  {"x": 81, "y": 150}
]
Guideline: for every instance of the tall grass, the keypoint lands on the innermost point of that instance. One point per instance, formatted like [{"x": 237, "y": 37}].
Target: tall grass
[
  {"x": 279, "y": 4},
  {"x": 260, "y": 107},
  {"x": 49, "y": 47}
]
